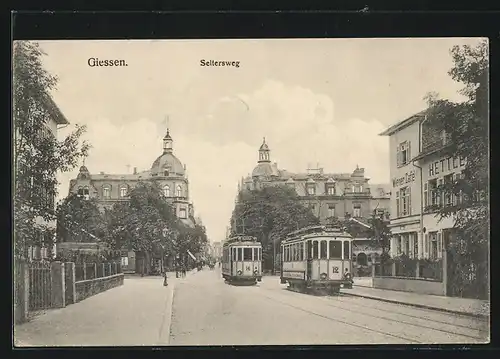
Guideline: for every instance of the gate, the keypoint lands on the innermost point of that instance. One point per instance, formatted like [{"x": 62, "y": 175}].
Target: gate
[{"x": 40, "y": 286}]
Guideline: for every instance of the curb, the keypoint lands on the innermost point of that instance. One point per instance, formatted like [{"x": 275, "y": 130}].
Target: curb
[{"x": 474, "y": 315}]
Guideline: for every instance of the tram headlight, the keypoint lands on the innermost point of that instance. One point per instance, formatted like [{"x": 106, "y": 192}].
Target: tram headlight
[
  {"x": 323, "y": 276},
  {"x": 239, "y": 272},
  {"x": 348, "y": 276},
  {"x": 255, "y": 272}
]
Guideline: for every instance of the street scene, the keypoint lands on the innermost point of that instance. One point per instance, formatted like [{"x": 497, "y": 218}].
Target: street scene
[{"x": 251, "y": 192}]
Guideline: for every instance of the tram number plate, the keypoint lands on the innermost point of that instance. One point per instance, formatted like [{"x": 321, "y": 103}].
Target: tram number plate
[
  {"x": 335, "y": 270},
  {"x": 248, "y": 268}
]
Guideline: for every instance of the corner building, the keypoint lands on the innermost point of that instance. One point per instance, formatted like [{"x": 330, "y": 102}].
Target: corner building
[
  {"x": 328, "y": 195},
  {"x": 166, "y": 170},
  {"x": 417, "y": 167}
]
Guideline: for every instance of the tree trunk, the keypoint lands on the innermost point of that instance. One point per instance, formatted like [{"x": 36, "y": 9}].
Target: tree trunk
[{"x": 147, "y": 262}]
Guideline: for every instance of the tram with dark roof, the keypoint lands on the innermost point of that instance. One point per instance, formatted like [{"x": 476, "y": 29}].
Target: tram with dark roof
[
  {"x": 317, "y": 258},
  {"x": 242, "y": 260}
]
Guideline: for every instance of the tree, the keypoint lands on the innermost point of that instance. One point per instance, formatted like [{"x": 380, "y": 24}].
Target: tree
[
  {"x": 79, "y": 220},
  {"x": 270, "y": 214},
  {"x": 467, "y": 126},
  {"x": 380, "y": 234},
  {"x": 146, "y": 223},
  {"x": 38, "y": 155}
]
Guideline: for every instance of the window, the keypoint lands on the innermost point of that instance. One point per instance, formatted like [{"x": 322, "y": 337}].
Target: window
[
  {"x": 182, "y": 213},
  {"x": 166, "y": 173},
  {"x": 426, "y": 195},
  {"x": 433, "y": 193},
  {"x": 405, "y": 199},
  {"x": 323, "y": 253},
  {"x": 309, "y": 250},
  {"x": 356, "y": 212},
  {"x": 335, "y": 250},
  {"x": 311, "y": 190},
  {"x": 331, "y": 210},
  {"x": 178, "y": 191},
  {"x": 240, "y": 254},
  {"x": 434, "y": 245},
  {"x": 357, "y": 188},
  {"x": 440, "y": 196},
  {"x": 398, "y": 209},
  {"x": 448, "y": 195},
  {"x": 330, "y": 189},
  {"x": 166, "y": 190},
  {"x": 347, "y": 250},
  {"x": 315, "y": 250},
  {"x": 86, "y": 193},
  {"x": 256, "y": 254},
  {"x": 403, "y": 154},
  {"x": 247, "y": 254},
  {"x": 106, "y": 192},
  {"x": 123, "y": 191},
  {"x": 301, "y": 251},
  {"x": 80, "y": 191}
]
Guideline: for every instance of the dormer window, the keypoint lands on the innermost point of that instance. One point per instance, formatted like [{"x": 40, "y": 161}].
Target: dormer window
[
  {"x": 178, "y": 191},
  {"x": 311, "y": 189},
  {"x": 123, "y": 191},
  {"x": 330, "y": 189},
  {"x": 165, "y": 173},
  {"x": 166, "y": 191},
  {"x": 106, "y": 192}
]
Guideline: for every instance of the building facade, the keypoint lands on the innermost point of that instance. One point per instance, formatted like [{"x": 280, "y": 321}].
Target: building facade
[
  {"x": 329, "y": 196},
  {"x": 48, "y": 249},
  {"x": 417, "y": 168},
  {"x": 166, "y": 170},
  {"x": 217, "y": 247}
]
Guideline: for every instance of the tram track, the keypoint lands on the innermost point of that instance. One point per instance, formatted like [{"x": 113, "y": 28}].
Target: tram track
[
  {"x": 328, "y": 302},
  {"x": 409, "y": 340}
]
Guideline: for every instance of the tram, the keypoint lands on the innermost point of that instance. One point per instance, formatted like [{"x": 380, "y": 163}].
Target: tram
[
  {"x": 317, "y": 258},
  {"x": 242, "y": 260}
]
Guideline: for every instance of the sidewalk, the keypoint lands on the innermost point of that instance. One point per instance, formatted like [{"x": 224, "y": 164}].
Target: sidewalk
[
  {"x": 136, "y": 313},
  {"x": 464, "y": 306}
]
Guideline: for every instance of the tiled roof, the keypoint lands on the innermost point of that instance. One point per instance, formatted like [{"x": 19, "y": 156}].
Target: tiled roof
[
  {"x": 128, "y": 176},
  {"x": 402, "y": 124}
]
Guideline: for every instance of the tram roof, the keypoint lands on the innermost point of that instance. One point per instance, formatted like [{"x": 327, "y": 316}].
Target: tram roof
[
  {"x": 315, "y": 231},
  {"x": 241, "y": 240}
]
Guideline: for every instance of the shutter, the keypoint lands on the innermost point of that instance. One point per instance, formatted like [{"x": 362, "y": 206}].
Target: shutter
[
  {"x": 408, "y": 152},
  {"x": 398, "y": 156},
  {"x": 397, "y": 204},
  {"x": 408, "y": 196},
  {"x": 439, "y": 244},
  {"x": 426, "y": 195},
  {"x": 426, "y": 245}
]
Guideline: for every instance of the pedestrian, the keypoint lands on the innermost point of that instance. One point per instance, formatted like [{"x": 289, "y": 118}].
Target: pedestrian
[{"x": 165, "y": 284}]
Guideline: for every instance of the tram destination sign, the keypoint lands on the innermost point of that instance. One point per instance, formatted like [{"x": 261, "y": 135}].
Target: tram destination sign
[{"x": 294, "y": 275}]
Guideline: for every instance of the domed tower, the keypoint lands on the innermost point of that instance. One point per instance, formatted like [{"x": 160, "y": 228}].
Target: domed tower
[
  {"x": 264, "y": 167},
  {"x": 169, "y": 172}
]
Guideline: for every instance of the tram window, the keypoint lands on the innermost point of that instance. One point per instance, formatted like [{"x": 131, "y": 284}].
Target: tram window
[
  {"x": 294, "y": 252},
  {"x": 240, "y": 254},
  {"x": 301, "y": 255},
  {"x": 288, "y": 253},
  {"x": 323, "y": 253},
  {"x": 234, "y": 253},
  {"x": 309, "y": 250},
  {"x": 255, "y": 254},
  {"x": 315, "y": 250},
  {"x": 346, "y": 250},
  {"x": 260, "y": 254},
  {"x": 335, "y": 250},
  {"x": 297, "y": 251},
  {"x": 247, "y": 254}
]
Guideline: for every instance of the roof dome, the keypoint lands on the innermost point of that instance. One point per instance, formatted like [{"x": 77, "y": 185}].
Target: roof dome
[
  {"x": 264, "y": 169},
  {"x": 167, "y": 162}
]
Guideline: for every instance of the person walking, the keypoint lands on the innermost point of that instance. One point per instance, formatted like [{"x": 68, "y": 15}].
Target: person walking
[{"x": 165, "y": 283}]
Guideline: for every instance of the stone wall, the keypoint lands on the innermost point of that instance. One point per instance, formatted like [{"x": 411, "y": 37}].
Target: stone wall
[
  {"x": 414, "y": 285},
  {"x": 90, "y": 287}
]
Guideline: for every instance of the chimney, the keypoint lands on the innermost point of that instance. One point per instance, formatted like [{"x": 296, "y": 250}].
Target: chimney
[{"x": 135, "y": 170}]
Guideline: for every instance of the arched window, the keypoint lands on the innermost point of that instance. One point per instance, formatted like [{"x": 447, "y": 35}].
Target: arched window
[
  {"x": 106, "y": 191},
  {"x": 86, "y": 192},
  {"x": 178, "y": 191},
  {"x": 166, "y": 190},
  {"x": 123, "y": 190},
  {"x": 80, "y": 191}
]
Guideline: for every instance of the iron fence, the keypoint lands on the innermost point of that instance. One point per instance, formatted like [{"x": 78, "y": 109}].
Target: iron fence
[
  {"x": 40, "y": 286},
  {"x": 86, "y": 271},
  {"x": 431, "y": 270}
]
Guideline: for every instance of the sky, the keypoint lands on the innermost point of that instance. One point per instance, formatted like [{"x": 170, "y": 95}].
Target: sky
[{"x": 316, "y": 101}]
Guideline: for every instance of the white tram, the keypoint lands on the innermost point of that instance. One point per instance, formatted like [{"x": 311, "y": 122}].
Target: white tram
[
  {"x": 242, "y": 260},
  {"x": 317, "y": 257}
]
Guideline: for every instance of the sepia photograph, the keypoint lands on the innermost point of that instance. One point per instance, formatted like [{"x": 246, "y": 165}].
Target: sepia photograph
[{"x": 250, "y": 192}]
